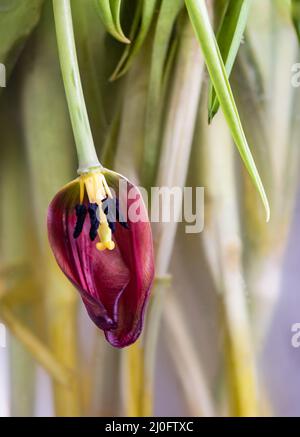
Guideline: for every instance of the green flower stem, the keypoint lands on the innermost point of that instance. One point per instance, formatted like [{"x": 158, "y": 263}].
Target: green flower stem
[{"x": 87, "y": 157}]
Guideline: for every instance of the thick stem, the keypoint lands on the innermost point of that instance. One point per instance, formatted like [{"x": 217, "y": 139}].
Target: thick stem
[{"x": 87, "y": 157}]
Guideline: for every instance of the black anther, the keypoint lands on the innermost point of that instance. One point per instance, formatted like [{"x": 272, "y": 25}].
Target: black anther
[
  {"x": 81, "y": 212},
  {"x": 93, "y": 209}
]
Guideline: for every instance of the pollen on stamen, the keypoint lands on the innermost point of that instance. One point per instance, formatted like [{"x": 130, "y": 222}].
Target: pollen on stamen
[
  {"x": 105, "y": 234},
  {"x": 110, "y": 245}
]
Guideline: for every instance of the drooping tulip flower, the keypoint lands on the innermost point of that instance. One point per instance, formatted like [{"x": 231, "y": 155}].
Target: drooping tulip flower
[{"x": 101, "y": 238}]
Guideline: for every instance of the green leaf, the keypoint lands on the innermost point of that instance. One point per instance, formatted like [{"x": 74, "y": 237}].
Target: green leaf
[
  {"x": 109, "y": 149},
  {"x": 200, "y": 20},
  {"x": 219, "y": 8},
  {"x": 115, "y": 6},
  {"x": 295, "y": 10},
  {"x": 17, "y": 20},
  {"x": 110, "y": 12},
  {"x": 248, "y": 86},
  {"x": 130, "y": 52},
  {"x": 165, "y": 23},
  {"x": 229, "y": 37}
]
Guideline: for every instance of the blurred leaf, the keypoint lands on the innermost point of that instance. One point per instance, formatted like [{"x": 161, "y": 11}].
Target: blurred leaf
[
  {"x": 109, "y": 12},
  {"x": 106, "y": 379},
  {"x": 109, "y": 148},
  {"x": 16, "y": 247},
  {"x": 229, "y": 37},
  {"x": 50, "y": 155},
  {"x": 17, "y": 20},
  {"x": 129, "y": 151},
  {"x": 147, "y": 13},
  {"x": 200, "y": 20},
  {"x": 295, "y": 9},
  {"x": 219, "y": 8},
  {"x": 248, "y": 86},
  {"x": 116, "y": 10},
  {"x": 132, "y": 366},
  {"x": 164, "y": 28},
  {"x": 249, "y": 89}
]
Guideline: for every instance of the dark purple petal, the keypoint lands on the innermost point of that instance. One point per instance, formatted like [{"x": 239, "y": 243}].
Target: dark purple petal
[
  {"x": 114, "y": 285},
  {"x": 101, "y": 277},
  {"x": 136, "y": 247}
]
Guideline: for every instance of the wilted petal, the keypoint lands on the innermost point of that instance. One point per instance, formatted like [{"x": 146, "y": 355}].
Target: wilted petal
[
  {"x": 114, "y": 284},
  {"x": 136, "y": 247},
  {"x": 101, "y": 277}
]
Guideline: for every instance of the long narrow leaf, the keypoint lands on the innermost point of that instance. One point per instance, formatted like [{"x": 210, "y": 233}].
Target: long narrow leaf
[
  {"x": 109, "y": 12},
  {"x": 199, "y": 17},
  {"x": 295, "y": 9},
  {"x": 148, "y": 9},
  {"x": 167, "y": 16},
  {"x": 229, "y": 38},
  {"x": 115, "y": 6}
]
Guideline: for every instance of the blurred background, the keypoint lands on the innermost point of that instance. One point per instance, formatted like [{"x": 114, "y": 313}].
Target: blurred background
[{"x": 218, "y": 334}]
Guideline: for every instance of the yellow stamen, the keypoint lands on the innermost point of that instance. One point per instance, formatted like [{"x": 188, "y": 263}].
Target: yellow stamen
[
  {"x": 96, "y": 187},
  {"x": 97, "y": 191},
  {"x": 104, "y": 232},
  {"x": 110, "y": 245},
  {"x": 81, "y": 185}
]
